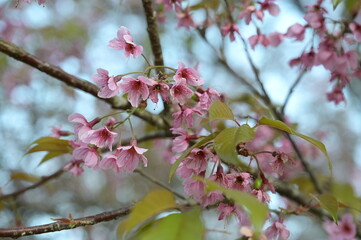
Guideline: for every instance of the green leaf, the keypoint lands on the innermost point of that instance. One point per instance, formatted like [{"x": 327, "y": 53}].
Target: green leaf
[
  {"x": 345, "y": 194},
  {"x": 219, "y": 110},
  {"x": 54, "y": 146},
  {"x": 227, "y": 140},
  {"x": 282, "y": 126},
  {"x": 329, "y": 203},
  {"x": 180, "y": 226},
  {"x": 206, "y": 4},
  {"x": 185, "y": 154},
  {"x": 257, "y": 211},
  {"x": 336, "y": 3},
  {"x": 154, "y": 203}
]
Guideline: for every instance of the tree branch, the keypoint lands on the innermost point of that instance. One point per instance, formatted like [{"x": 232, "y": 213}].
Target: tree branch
[
  {"x": 35, "y": 185},
  {"x": 116, "y": 102},
  {"x": 153, "y": 32},
  {"x": 297, "y": 81},
  {"x": 62, "y": 225}
]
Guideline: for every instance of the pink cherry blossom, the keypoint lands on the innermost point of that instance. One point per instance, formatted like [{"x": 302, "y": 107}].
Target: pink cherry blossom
[
  {"x": 268, "y": 5},
  {"x": 296, "y": 31},
  {"x": 102, "y": 137},
  {"x": 336, "y": 95},
  {"x": 306, "y": 61},
  {"x": 198, "y": 159},
  {"x": 124, "y": 41},
  {"x": 280, "y": 162},
  {"x": 185, "y": 114},
  {"x": 190, "y": 75},
  {"x": 109, "y": 161},
  {"x": 75, "y": 167},
  {"x": 88, "y": 154},
  {"x": 345, "y": 230},
  {"x": 356, "y": 30},
  {"x": 277, "y": 229},
  {"x": 169, "y": 4},
  {"x": 83, "y": 128},
  {"x": 206, "y": 98},
  {"x": 261, "y": 195},
  {"x": 128, "y": 157},
  {"x": 259, "y": 39},
  {"x": 230, "y": 29},
  {"x": 159, "y": 88},
  {"x": 240, "y": 181},
  {"x": 194, "y": 188},
  {"x": 180, "y": 92},
  {"x": 57, "y": 132},
  {"x": 275, "y": 39},
  {"x": 109, "y": 84},
  {"x": 137, "y": 89},
  {"x": 185, "y": 19},
  {"x": 181, "y": 142},
  {"x": 226, "y": 210},
  {"x": 247, "y": 14},
  {"x": 315, "y": 17}
]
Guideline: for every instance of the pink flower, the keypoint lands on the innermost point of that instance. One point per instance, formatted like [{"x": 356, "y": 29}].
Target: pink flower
[
  {"x": 259, "y": 39},
  {"x": 240, "y": 181},
  {"x": 185, "y": 114},
  {"x": 269, "y": 6},
  {"x": 124, "y": 41},
  {"x": 315, "y": 17},
  {"x": 83, "y": 128},
  {"x": 206, "y": 98},
  {"x": 356, "y": 30},
  {"x": 261, "y": 195},
  {"x": 109, "y": 161},
  {"x": 230, "y": 29},
  {"x": 89, "y": 155},
  {"x": 190, "y": 75},
  {"x": 57, "y": 132},
  {"x": 336, "y": 95},
  {"x": 306, "y": 61},
  {"x": 279, "y": 164},
  {"x": 185, "y": 19},
  {"x": 180, "y": 92},
  {"x": 226, "y": 210},
  {"x": 75, "y": 167},
  {"x": 296, "y": 31},
  {"x": 247, "y": 14},
  {"x": 110, "y": 85},
  {"x": 345, "y": 230},
  {"x": 194, "y": 188},
  {"x": 128, "y": 157},
  {"x": 102, "y": 137},
  {"x": 275, "y": 39},
  {"x": 277, "y": 228},
  {"x": 137, "y": 89},
  {"x": 181, "y": 142},
  {"x": 159, "y": 88},
  {"x": 198, "y": 159}
]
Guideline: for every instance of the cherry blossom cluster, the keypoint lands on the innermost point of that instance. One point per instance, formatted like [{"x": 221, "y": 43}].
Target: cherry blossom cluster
[
  {"x": 336, "y": 50},
  {"x": 181, "y": 88}
]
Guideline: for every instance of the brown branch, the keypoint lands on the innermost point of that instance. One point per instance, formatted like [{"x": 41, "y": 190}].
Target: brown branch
[
  {"x": 297, "y": 81},
  {"x": 153, "y": 32},
  {"x": 35, "y": 185},
  {"x": 116, "y": 102},
  {"x": 63, "y": 225}
]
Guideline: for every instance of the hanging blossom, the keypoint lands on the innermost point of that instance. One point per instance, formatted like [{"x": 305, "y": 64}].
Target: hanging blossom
[
  {"x": 345, "y": 230},
  {"x": 190, "y": 75},
  {"x": 109, "y": 84},
  {"x": 124, "y": 41},
  {"x": 230, "y": 29},
  {"x": 277, "y": 229},
  {"x": 128, "y": 157},
  {"x": 82, "y": 129},
  {"x": 137, "y": 89}
]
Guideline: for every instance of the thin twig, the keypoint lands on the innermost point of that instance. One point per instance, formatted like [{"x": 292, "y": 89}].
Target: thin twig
[
  {"x": 157, "y": 182},
  {"x": 35, "y": 185},
  {"x": 115, "y": 102},
  {"x": 62, "y": 225},
  {"x": 297, "y": 81}
]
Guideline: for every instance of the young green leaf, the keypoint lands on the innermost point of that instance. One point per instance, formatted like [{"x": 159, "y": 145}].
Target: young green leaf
[
  {"x": 256, "y": 210},
  {"x": 154, "y": 203},
  {"x": 329, "y": 203},
  {"x": 185, "y": 154},
  {"x": 227, "y": 140},
  {"x": 54, "y": 146},
  {"x": 282, "y": 126},
  {"x": 219, "y": 110},
  {"x": 179, "y": 226}
]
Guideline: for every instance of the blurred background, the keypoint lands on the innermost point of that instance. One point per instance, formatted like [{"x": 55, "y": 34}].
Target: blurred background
[{"x": 74, "y": 36}]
